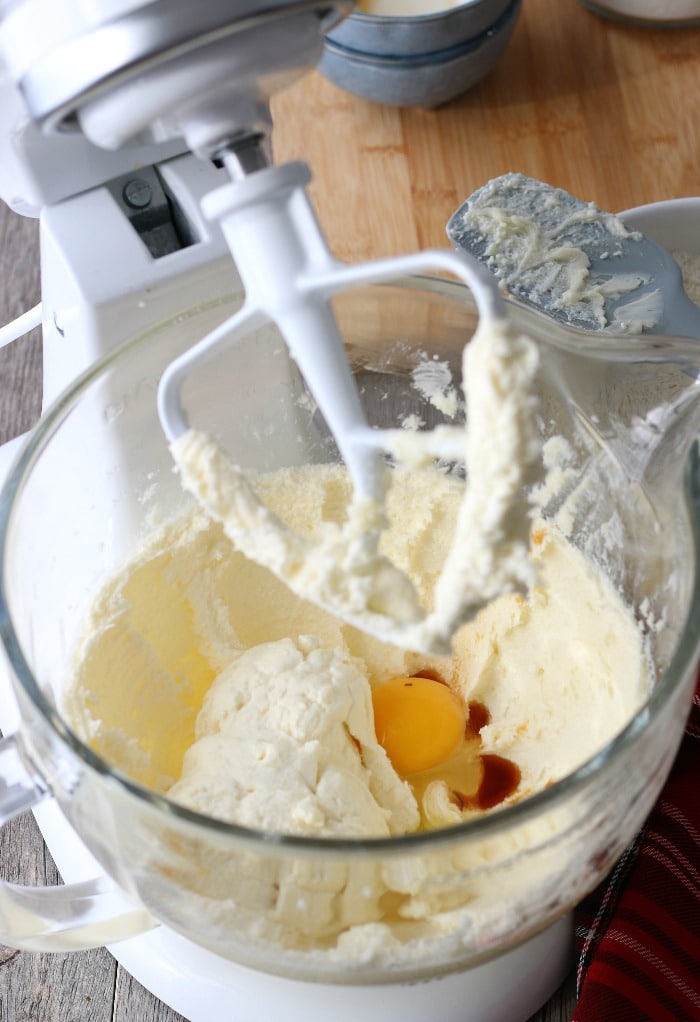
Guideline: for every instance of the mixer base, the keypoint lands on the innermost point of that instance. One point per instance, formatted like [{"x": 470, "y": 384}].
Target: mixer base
[{"x": 203, "y": 987}]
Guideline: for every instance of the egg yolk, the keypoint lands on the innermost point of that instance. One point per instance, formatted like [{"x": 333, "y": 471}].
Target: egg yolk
[{"x": 418, "y": 721}]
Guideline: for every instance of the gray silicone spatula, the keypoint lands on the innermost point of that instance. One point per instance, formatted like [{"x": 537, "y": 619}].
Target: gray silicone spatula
[{"x": 573, "y": 261}]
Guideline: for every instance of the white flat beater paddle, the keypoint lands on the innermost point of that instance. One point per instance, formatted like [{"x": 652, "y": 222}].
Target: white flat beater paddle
[{"x": 289, "y": 277}]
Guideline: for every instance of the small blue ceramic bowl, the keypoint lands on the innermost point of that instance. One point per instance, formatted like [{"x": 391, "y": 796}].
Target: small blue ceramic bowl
[{"x": 419, "y": 60}]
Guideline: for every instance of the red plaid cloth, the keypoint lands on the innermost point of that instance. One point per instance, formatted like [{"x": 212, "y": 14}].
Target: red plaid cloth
[{"x": 638, "y": 933}]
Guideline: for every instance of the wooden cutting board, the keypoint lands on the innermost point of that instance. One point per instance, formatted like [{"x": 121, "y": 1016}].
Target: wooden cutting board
[{"x": 608, "y": 111}]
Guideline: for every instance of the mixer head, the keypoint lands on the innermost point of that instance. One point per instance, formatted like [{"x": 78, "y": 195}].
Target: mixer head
[{"x": 202, "y": 71}]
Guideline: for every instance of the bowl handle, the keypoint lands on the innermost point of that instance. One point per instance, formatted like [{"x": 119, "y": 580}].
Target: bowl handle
[{"x": 68, "y": 917}]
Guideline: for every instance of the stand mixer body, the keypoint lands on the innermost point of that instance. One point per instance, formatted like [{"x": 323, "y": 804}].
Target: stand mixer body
[{"x": 161, "y": 116}]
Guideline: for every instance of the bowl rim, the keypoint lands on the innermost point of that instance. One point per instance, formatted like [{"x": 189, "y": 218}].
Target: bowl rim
[
  {"x": 431, "y": 58},
  {"x": 440, "y": 55},
  {"x": 446, "y": 15}
]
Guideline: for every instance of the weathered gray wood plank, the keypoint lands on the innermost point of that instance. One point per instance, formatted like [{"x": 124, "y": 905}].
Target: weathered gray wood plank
[
  {"x": 42, "y": 987},
  {"x": 20, "y": 362}
]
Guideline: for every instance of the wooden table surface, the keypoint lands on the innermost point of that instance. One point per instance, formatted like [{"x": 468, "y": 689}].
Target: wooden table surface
[{"x": 607, "y": 111}]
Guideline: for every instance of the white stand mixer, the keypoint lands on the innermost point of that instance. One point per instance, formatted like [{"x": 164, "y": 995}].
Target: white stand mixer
[
  {"x": 122, "y": 115},
  {"x": 114, "y": 182}
]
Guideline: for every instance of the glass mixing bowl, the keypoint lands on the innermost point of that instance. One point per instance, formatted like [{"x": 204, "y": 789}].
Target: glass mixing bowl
[{"x": 85, "y": 492}]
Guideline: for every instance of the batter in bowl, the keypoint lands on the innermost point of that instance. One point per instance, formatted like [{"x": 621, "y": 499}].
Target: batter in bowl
[{"x": 197, "y": 657}]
